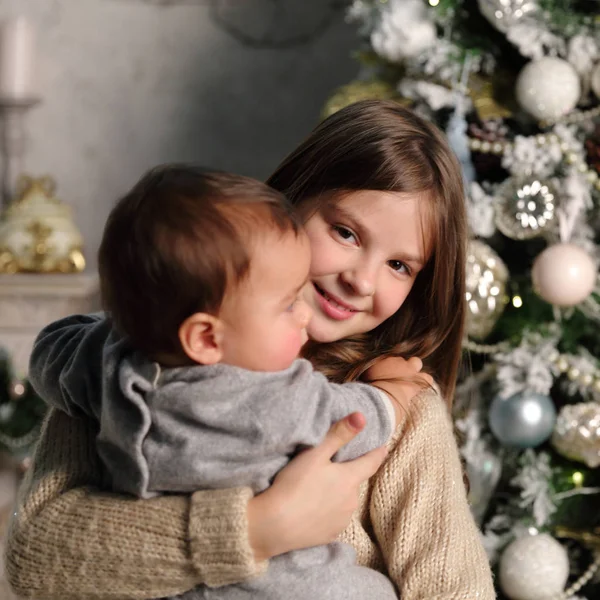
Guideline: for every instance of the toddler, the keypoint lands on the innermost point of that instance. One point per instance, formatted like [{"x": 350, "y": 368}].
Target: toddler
[{"x": 202, "y": 275}]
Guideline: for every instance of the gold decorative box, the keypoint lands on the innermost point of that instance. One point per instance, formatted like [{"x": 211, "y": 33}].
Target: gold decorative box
[{"x": 37, "y": 233}]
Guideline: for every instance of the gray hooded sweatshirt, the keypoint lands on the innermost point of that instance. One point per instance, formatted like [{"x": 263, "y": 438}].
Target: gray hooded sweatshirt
[{"x": 178, "y": 430}]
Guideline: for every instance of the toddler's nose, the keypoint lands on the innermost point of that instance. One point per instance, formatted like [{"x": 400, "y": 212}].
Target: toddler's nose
[{"x": 304, "y": 315}]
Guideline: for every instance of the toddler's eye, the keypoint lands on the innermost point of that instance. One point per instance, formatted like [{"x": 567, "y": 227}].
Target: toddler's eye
[
  {"x": 399, "y": 266},
  {"x": 291, "y": 307}
]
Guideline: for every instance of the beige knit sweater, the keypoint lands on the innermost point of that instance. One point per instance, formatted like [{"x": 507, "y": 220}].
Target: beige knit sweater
[{"x": 69, "y": 541}]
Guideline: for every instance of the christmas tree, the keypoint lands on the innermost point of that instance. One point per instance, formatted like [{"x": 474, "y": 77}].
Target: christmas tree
[
  {"x": 21, "y": 412},
  {"x": 515, "y": 84}
]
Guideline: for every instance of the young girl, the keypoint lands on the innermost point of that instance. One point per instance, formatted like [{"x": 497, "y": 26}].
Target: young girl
[{"x": 382, "y": 200}]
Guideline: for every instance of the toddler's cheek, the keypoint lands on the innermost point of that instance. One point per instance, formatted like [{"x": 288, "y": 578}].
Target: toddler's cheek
[{"x": 293, "y": 344}]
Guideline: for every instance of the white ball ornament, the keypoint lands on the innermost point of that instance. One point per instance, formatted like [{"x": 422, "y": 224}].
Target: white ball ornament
[
  {"x": 534, "y": 568},
  {"x": 548, "y": 88},
  {"x": 564, "y": 275}
]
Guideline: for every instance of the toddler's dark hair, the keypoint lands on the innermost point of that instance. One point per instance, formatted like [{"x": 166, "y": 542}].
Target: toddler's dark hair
[{"x": 175, "y": 243}]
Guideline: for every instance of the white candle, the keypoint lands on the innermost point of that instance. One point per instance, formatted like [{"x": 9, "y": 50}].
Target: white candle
[{"x": 17, "y": 41}]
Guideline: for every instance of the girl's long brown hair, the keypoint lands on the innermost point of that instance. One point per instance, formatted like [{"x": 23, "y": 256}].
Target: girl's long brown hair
[{"x": 379, "y": 145}]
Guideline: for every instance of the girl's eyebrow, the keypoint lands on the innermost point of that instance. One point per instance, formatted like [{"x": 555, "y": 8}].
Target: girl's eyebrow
[
  {"x": 348, "y": 216},
  {"x": 416, "y": 260},
  {"x": 366, "y": 232}
]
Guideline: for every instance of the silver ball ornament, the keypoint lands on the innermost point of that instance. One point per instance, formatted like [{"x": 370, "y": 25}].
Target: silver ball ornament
[
  {"x": 548, "y": 88},
  {"x": 525, "y": 207},
  {"x": 524, "y": 420},
  {"x": 486, "y": 289},
  {"x": 534, "y": 567},
  {"x": 564, "y": 275}
]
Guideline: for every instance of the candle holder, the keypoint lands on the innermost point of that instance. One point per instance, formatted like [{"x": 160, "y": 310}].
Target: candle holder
[{"x": 13, "y": 143}]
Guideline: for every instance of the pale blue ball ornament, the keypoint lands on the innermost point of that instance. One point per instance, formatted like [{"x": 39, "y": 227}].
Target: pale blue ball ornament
[{"x": 524, "y": 420}]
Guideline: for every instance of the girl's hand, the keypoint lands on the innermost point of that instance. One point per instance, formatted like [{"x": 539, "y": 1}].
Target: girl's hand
[
  {"x": 401, "y": 379},
  {"x": 396, "y": 367},
  {"x": 312, "y": 499}
]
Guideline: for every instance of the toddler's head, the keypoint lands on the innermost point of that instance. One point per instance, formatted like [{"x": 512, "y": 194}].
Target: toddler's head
[{"x": 206, "y": 267}]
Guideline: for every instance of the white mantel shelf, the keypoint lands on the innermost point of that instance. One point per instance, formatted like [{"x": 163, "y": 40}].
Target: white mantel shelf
[{"x": 28, "y": 302}]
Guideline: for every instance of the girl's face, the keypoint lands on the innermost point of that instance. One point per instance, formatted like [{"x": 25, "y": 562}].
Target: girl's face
[{"x": 367, "y": 249}]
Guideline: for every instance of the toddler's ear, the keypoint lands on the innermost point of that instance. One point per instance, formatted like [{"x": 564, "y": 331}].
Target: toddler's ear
[{"x": 201, "y": 337}]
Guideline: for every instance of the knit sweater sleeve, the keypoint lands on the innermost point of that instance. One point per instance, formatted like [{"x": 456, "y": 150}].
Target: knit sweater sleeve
[
  {"x": 67, "y": 540},
  {"x": 420, "y": 515}
]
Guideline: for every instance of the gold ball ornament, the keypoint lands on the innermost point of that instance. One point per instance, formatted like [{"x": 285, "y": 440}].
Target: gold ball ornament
[
  {"x": 486, "y": 289},
  {"x": 361, "y": 90},
  {"x": 577, "y": 433},
  {"x": 564, "y": 275}
]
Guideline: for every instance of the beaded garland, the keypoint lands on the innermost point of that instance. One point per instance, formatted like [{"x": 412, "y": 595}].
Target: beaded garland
[
  {"x": 563, "y": 363},
  {"x": 571, "y": 157}
]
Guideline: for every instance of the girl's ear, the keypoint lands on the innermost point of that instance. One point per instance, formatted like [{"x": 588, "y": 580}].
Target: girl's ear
[{"x": 201, "y": 337}]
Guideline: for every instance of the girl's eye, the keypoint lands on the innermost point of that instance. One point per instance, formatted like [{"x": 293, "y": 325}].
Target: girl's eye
[
  {"x": 399, "y": 266},
  {"x": 344, "y": 233}
]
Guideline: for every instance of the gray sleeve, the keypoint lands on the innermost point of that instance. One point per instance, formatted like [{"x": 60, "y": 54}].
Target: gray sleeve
[
  {"x": 125, "y": 423},
  {"x": 248, "y": 428},
  {"x": 67, "y": 362},
  {"x": 374, "y": 404},
  {"x": 316, "y": 404}
]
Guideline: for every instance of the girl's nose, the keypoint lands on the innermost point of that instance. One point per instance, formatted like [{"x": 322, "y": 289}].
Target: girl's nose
[{"x": 360, "y": 280}]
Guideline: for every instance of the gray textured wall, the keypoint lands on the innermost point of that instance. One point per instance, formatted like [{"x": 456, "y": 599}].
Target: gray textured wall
[{"x": 127, "y": 84}]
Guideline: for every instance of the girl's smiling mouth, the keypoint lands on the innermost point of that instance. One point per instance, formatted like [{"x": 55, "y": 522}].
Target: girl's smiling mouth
[{"x": 334, "y": 307}]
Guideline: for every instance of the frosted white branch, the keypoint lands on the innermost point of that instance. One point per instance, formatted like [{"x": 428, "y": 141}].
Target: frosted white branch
[
  {"x": 526, "y": 157},
  {"x": 534, "y": 481},
  {"x": 480, "y": 211},
  {"x": 436, "y": 96},
  {"x": 527, "y": 367},
  {"x": 583, "y": 53},
  {"x": 438, "y": 61},
  {"x": 534, "y": 41},
  {"x": 575, "y": 200},
  {"x": 404, "y": 30}
]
